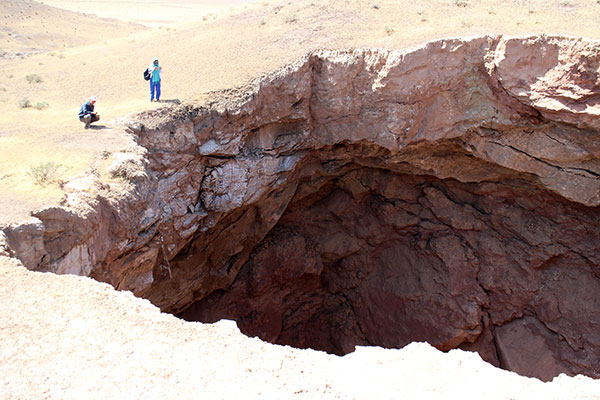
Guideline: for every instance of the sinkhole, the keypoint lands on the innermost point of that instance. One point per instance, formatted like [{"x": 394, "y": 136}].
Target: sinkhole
[
  {"x": 447, "y": 194},
  {"x": 376, "y": 257},
  {"x": 377, "y": 198}
]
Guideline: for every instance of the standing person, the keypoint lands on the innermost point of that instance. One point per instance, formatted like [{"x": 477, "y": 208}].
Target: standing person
[
  {"x": 87, "y": 114},
  {"x": 155, "y": 78}
]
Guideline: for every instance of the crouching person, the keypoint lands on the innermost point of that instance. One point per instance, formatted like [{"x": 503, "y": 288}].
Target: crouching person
[{"x": 87, "y": 114}]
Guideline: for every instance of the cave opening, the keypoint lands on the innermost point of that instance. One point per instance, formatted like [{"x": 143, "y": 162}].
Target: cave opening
[{"x": 365, "y": 255}]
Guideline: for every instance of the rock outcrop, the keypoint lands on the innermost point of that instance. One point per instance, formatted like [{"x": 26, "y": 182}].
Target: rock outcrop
[{"x": 447, "y": 194}]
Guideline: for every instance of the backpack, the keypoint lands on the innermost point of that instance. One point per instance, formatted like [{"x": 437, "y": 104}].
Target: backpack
[{"x": 147, "y": 74}]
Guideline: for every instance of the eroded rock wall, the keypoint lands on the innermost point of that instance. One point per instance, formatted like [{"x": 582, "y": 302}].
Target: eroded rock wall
[{"x": 448, "y": 194}]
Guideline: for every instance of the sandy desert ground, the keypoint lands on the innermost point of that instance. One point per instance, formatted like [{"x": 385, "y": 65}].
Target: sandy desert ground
[
  {"x": 93, "y": 342},
  {"x": 150, "y": 12},
  {"x": 203, "y": 46}
]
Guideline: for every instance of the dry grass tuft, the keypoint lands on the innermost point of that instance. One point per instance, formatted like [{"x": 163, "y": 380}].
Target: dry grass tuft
[
  {"x": 46, "y": 173},
  {"x": 24, "y": 103},
  {"x": 33, "y": 78},
  {"x": 41, "y": 105}
]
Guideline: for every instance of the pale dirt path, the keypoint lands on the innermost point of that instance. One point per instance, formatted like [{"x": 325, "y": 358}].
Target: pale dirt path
[
  {"x": 70, "y": 337},
  {"x": 221, "y": 52}
]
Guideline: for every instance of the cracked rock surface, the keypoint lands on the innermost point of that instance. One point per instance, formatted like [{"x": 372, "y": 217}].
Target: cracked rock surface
[{"x": 447, "y": 194}]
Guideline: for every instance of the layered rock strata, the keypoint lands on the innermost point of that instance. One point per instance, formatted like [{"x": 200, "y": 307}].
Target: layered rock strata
[{"x": 365, "y": 197}]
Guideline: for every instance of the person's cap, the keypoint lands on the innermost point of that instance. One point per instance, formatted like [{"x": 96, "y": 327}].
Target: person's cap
[{"x": 93, "y": 98}]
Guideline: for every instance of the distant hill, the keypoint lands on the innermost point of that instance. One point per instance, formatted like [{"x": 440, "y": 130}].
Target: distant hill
[{"x": 28, "y": 27}]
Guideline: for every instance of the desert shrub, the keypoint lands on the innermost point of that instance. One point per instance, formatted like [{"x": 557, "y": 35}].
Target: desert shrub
[
  {"x": 40, "y": 105},
  {"x": 461, "y": 3},
  {"x": 291, "y": 19},
  {"x": 45, "y": 173},
  {"x": 33, "y": 78},
  {"x": 389, "y": 30},
  {"x": 24, "y": 103}
]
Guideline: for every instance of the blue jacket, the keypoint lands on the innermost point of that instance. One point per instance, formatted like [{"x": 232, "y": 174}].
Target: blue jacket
[
  {"x": 86, "y": 108},
  {"x": 155, "y": 71}
]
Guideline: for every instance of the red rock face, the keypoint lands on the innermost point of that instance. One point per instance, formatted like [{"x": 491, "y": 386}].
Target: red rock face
[{"x": 365, "y": 197}]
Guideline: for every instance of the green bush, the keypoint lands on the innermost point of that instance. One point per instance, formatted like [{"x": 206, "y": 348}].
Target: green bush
[
  {"x": 33, "y": 78},
  {"x": 45, "y": 172},
  {"x": 41, "y": 105},
  {"x": 24, "y": 103}
]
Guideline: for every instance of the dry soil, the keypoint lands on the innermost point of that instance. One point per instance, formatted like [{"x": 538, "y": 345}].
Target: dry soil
[{"x": 203, "y": 46}]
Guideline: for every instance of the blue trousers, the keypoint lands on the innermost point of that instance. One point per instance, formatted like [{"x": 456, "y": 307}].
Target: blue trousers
[{"x": 153, "y": 86}]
